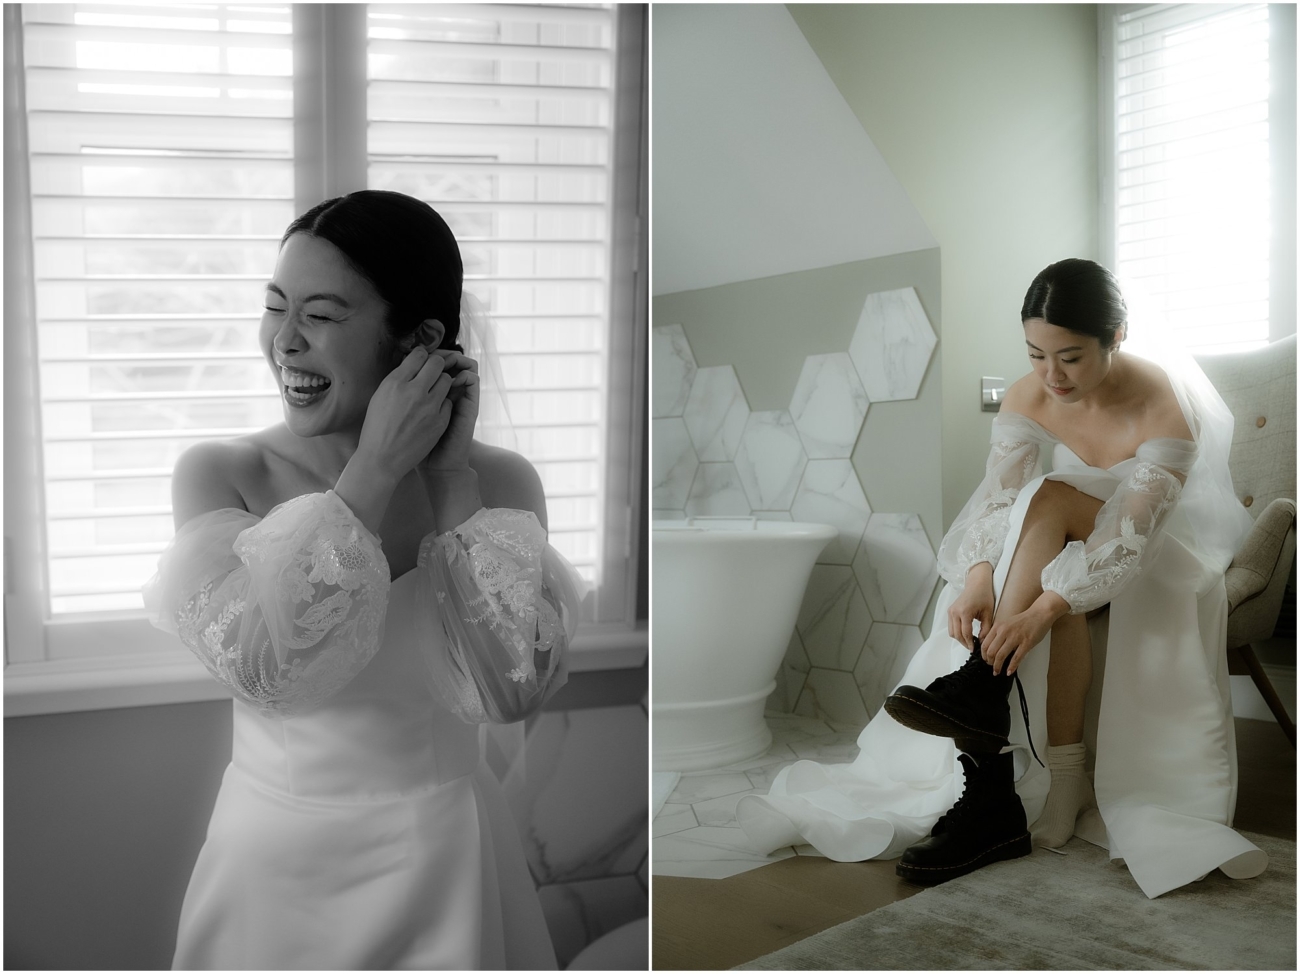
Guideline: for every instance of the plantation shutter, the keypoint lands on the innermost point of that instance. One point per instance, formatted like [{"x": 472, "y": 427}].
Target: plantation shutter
[
  {"x": 499, "y": 117},
  {"x": 162, "y": 176},
  {"x": 1193, "y": 180}
]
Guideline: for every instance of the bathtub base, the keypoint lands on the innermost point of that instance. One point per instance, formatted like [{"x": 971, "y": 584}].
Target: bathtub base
[{"x": 712, "y": 733}]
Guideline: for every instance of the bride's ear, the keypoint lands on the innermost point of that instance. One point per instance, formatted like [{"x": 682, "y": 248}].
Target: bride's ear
[{"x": 427, "y": 333}]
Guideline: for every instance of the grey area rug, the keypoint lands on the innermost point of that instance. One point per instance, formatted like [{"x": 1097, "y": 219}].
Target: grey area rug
[{"x": 1080, "y": 911}]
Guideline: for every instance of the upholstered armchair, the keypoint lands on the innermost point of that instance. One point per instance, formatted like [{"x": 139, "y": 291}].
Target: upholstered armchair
[{"x": 1259, "y": 388}]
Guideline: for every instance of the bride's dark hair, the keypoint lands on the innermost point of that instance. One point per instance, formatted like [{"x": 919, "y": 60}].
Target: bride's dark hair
[
  {"x": 402, "y": 247},
  {"x": 1080, "y": 296}
]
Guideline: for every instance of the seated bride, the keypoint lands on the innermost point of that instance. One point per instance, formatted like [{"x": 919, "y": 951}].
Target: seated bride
[{"x": 1137, "y": 514}]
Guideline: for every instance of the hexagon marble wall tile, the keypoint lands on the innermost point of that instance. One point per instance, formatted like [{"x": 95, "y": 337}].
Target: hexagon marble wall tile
[
  {"x": 717, "y": 491},
  {"x": 674, "y": 463},
  {"x": 892, "y": 344},
  {"x": 770, "y": 460},
  {"x": 896, "y": 568},
  {"x": 830, "y": 493},
  {"x": 674, "y": 367},
  {"x": 828, "y": 405},
  {"x": 857, "y": 626},
  {"x": 716, "y": 412}
]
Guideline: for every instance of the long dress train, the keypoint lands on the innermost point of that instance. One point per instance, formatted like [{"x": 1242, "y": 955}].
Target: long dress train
[{"x": 1160, "y": 718}]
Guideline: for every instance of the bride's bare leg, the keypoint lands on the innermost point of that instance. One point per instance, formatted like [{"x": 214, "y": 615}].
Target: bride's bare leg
[
  {"x": 1057, "y": 515},
  {"x": 1069, "y": 675}
]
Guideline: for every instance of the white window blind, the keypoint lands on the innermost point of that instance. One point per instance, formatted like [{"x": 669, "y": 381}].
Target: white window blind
[
  {"x": 1192, "y": 156},
  {"x": 500, "y": 117},
  {"x": 160, "y": 142}
]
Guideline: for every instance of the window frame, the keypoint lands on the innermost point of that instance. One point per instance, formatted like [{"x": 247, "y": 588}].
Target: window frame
[
  {"x": 46, "y": 667},
  {"x": 1282, "y": 154}
]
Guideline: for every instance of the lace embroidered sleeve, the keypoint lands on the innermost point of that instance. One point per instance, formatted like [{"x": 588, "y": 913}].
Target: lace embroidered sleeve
[
  {"x": 1127, "y": 533},
  {"x": 284, "y": 610},
  {"x": 501, "y": 606},
  {"x": 980, "y": 529}
]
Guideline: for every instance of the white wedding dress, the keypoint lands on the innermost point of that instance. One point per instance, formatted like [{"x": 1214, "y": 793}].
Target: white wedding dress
[
  {"x": 357, "y": 826},
  {"x": 1159, "y": 719}
]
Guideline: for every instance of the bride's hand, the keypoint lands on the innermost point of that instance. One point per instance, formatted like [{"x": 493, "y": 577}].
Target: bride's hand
[
  {"x": 1008, "y": 640},
  {"x": 975, "y": 602},
  {"x": 451, "y": 453},
  {"x": 408, "y": 414}
]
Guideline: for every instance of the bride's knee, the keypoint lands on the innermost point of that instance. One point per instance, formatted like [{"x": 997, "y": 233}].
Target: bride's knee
[{"x": 1060, "y": 504}]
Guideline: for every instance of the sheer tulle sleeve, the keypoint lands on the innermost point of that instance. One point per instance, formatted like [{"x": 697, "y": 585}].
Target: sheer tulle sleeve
[
  {"x": 507, "y": 605},
  {"x": 1128, "y": 529},
  {"x": 284, "y": 610},
  {"x": 980, "y": 529}
]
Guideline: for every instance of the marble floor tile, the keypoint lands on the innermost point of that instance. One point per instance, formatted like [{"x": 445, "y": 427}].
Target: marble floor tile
[
  {"x": 815, "y": 747},
  {"x": 775, "y": 754},
  {"x": 787, "y": 728},
  {"x": 701, "y": 786},
  {"x": 709, "y": 852},
  {"x": 674, "y": 818},
  {"x": 662, "y": 784},
  {"x": 719, "y": 811},
  {"x": 763, "y": 777},
  {"x": 674, "y": 370}
]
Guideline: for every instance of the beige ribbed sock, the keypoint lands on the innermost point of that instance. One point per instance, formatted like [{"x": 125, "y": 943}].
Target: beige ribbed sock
[{"x": 1070, "y": 794}]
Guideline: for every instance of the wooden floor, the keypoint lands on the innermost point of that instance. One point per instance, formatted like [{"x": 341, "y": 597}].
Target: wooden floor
[{"x": 705, "y": 924}]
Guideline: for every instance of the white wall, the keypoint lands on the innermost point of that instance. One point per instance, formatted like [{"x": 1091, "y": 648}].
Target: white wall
[
  {"x": 987, "y": 114},
  {"x": 760, "y": 167}
]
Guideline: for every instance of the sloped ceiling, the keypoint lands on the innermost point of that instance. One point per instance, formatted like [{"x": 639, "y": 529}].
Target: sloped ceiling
[{"x": 759, "y": 165}]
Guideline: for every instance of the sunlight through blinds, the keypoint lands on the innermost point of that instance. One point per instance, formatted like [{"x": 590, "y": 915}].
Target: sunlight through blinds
[
  {"x": 1193, "y": 187},
  {"x": 499, "y": 116},
  {"x": 162, "y": 177}
]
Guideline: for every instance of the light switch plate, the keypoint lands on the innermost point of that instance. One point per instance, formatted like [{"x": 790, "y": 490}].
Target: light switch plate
[{"x": 992, "y": 389}]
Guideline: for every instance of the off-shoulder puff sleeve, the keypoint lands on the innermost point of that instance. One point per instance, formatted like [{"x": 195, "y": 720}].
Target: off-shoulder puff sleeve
[
  {"x": 284, "y": 610},
  {"x": 1128, "y": 529},
  {"x": 506, "y": 607},
  {"x": 980, "y": 530}
]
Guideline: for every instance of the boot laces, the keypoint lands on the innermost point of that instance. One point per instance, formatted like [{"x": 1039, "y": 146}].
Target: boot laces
[
  {"x": 970, "y": 796},
  {"x": 975, "y": 670}
]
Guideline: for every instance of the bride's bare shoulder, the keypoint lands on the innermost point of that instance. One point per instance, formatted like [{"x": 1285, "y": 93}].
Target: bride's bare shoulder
[
  {"x": 1161, "y": 412},
  {"x": 506, "y": 479},
  {"x": 1025, "y": 396},
  {"x": 209, "y": 474}
]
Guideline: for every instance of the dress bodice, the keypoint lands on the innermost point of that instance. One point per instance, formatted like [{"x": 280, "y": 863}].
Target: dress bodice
[{"x": 382, "y": 736}]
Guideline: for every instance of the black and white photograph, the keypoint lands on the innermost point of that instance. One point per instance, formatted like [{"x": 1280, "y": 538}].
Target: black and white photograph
[{"x": 326, "y": 503}]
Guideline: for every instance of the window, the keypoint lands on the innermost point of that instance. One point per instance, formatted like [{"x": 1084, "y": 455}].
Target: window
[
  {"x": 1198, "y": 156},
  {"x": 164, "y": 150}
]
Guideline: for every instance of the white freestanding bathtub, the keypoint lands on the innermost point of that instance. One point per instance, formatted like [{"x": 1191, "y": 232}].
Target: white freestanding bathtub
[{"x": 727, "y": 592}]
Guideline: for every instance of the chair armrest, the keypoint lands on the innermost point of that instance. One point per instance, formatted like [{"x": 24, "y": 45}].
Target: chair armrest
[
  {"x": 1258, "y": 574},
  {"x": 1257, "y": 558}
]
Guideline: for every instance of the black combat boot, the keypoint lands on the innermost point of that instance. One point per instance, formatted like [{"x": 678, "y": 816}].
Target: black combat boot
[
  {"x": 969, "y": 705},
  {"x": 986, "y": 825}
]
